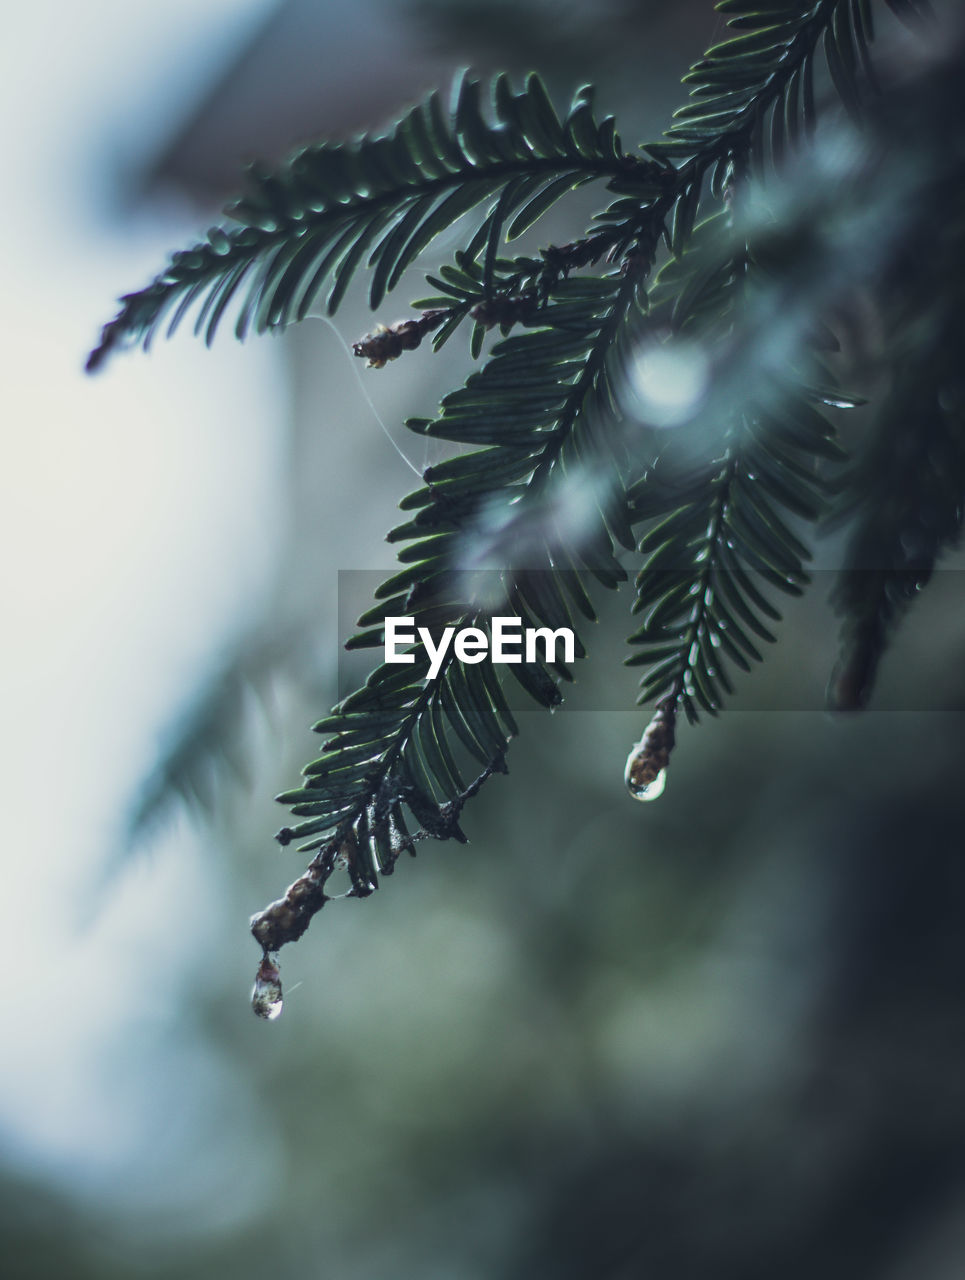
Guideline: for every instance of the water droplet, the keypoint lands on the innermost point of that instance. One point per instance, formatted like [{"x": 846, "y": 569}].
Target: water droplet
[
  {"x": 649, "y": 790},
  {"x": 646, "y": 771},
  {"x": 266, "y": 998}
]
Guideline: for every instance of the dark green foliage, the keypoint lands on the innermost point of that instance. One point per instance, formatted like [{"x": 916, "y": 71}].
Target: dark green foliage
[
  {"x": 904, "y": 493},
  {"x": 723, "y": 250},
  {"x": 720, "y": 534},
  {"x": 380, "y": 202},
  {"x": 527, "y": 410}
]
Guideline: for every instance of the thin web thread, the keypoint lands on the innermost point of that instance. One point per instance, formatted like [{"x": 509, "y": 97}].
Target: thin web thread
[{"x": 365, "y": 392}]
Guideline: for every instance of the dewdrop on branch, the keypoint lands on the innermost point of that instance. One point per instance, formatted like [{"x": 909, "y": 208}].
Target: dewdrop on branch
[
  {"x": 646, "y": 771},
  {"x": 648, "y": 790},
  {"x": 266, "y": 998}
]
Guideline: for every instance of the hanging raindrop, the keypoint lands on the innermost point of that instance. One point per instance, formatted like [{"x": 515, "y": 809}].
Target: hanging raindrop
[
  {"x": 646, "y": 771},
  {"x": 266, "y": 998},
  {"x": 647, "y": 790}
]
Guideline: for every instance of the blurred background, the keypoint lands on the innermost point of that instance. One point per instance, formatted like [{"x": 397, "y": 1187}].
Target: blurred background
[{"x": 722, "y": 1034}]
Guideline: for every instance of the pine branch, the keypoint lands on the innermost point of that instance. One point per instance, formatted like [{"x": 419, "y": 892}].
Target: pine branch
[
  {"x": 287, "y": 919},
  {"x": 394, "y": 739},
  {"x": 568, "y": 447},
  {"x": 723, "y": 532},
  {"x": 383, "y": 200},
  {"x": 905, "y": 494},
  {"x": 905, "y": 497},
  {"x": 727, "y": 526},
  {"x": 528, "y": 409},
  {"x": 767, "y": 68}
]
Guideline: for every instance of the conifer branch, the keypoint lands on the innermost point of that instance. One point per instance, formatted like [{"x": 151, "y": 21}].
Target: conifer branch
[
  {"x": 557, "y": 419},
  {"x": 381, "y": 198}
]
